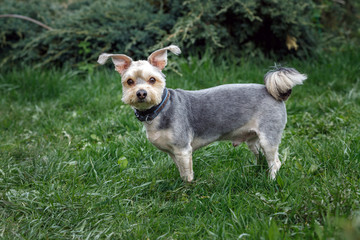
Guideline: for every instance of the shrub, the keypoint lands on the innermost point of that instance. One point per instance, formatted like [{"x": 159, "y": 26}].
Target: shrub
[
  {"x": 338, "y": 21},
  {"x": 82, "y": 29},
  {"x": 275, "y": 26}
]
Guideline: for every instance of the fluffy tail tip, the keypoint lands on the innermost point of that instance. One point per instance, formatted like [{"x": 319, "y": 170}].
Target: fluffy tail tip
[{"x": 280, "y": 81}]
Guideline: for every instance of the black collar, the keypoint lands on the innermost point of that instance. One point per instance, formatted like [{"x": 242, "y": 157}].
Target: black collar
[{"x": 151, "y": 113}]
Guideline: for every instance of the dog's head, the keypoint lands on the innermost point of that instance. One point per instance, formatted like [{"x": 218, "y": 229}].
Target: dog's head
[{"x": 143, "y": 82}]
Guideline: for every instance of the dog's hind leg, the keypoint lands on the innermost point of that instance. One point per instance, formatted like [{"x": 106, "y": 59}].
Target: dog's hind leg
[
  {"x": 272, "y": 156},
  {"x": 271, "y": 127}
]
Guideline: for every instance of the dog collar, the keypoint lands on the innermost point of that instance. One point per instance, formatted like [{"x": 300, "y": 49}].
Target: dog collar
[{"x": 151, "y": 113}]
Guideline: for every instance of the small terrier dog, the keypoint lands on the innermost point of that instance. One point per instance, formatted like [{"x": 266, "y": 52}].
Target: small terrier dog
[{"x": 178, "y": 122}]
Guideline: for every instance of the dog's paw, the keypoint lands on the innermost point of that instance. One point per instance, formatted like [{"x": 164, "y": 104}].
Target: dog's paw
[{"x": 188, "y": 178}]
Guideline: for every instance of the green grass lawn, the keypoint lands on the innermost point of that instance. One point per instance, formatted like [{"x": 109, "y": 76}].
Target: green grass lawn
[{"x": 75, "y": 162}]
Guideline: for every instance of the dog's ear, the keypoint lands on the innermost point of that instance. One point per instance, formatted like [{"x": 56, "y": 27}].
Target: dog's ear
[
  {"x": 159, "y": 57},
  {"x": 121, "y": 61}
]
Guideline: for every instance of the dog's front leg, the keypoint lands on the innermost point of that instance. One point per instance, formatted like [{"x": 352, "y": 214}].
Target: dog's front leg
[{"x": 183, "y": 161}]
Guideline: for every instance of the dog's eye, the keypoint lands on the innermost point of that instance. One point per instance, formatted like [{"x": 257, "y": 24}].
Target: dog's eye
[
  {"x": 130, "y": 82},
  {"x": 152, "y": 80}
]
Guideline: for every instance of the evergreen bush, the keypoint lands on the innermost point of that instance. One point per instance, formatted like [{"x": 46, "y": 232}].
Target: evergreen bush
[
  {"x": 246, "y": 26},
  {"x": 82, "y": 29}
]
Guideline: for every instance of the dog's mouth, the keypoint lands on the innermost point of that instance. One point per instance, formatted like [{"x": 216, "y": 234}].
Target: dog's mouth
[{"x": 142, "y": 104}]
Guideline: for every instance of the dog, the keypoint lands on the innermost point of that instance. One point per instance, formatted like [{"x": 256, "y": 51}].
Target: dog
[{"x": 178, "y": 121}]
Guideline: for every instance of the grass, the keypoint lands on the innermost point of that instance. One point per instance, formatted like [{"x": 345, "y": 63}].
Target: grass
[{"x": 75, "y": 162}]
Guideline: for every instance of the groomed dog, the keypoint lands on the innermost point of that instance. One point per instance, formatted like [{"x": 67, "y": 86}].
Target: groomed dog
[{"x": 178, "y": 122}]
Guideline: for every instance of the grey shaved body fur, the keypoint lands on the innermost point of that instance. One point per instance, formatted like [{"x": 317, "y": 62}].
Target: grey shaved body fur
[{"x": 212, "y": 114}]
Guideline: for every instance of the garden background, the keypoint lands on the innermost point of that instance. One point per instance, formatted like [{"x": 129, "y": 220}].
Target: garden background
[{"x": 75, "y": 162}]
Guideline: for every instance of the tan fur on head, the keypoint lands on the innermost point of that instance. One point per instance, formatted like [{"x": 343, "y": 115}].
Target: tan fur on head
[
  {"x": 280, "y": 81},
  {"x": 140, "y": 73}
]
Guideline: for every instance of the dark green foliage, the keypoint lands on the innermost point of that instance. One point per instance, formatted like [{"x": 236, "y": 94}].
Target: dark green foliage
[
  {"x": 246, "y": 25},
  {"x": 338, "y": 22},
  {"x": 82, "y": 29}
]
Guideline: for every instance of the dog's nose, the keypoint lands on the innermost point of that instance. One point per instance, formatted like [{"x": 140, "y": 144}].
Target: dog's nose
[{"x": 141, "y": 94}]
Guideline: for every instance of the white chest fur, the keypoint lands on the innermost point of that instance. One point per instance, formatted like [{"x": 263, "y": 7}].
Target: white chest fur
[{"x": 162, "y": 139}]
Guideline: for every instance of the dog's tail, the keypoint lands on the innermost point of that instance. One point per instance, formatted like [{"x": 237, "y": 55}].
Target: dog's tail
[{"x": 281, "y": 80}]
